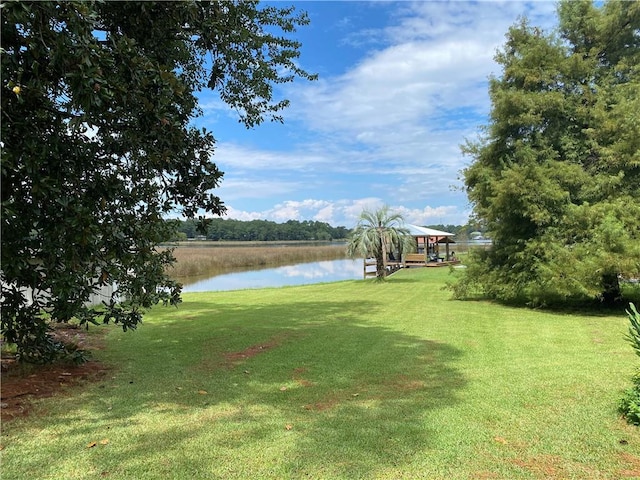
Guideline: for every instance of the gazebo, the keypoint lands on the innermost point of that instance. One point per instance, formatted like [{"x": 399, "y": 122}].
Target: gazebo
[{"x": 427, "y": 239}]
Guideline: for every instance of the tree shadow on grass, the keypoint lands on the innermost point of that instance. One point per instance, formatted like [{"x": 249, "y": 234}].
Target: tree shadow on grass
[
  {"x": 591, "y": 308},
  {"x": 338, "y": 395}
]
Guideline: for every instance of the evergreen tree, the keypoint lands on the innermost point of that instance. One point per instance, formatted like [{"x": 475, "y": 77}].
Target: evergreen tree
[{"x": 556, "y": 176}]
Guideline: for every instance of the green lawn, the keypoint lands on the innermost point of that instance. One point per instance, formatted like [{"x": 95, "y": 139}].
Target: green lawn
[{"x": 345, "y": 380}]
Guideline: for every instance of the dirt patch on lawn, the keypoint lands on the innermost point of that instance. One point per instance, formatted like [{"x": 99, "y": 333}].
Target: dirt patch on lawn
[
  {"x": 322, "y": 406},
  {"x": 403, "y": 383},
  {"x": 21, "y": 384},
  {"x": 633, "y": 466},
  {"x": 233, "y": 358},
  {"x": 298, "y": 377},
  {"x": 552, "y": 467}
]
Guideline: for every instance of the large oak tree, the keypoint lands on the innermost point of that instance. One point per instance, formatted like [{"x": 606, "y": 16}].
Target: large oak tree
[
  {"x": 556, "y": 175},
  {"x": 98, "y": 145}
]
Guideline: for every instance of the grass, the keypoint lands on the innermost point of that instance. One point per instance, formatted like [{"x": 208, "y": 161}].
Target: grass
[
  {"x": 344, "y": 380},
  {"x": 200, "y": 260}
]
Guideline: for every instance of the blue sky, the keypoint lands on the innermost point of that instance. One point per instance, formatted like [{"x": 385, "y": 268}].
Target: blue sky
[{"x": 401, "y": 85}]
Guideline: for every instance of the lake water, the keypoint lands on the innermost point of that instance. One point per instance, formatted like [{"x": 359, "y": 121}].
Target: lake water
[{"x": 300, "y": 274}]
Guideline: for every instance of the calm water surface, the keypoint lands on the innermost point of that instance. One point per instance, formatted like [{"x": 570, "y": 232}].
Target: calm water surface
[{"x": 300, "y": 274}]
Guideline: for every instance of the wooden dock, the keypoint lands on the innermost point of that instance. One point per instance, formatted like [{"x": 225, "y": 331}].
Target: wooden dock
[
  {"x": 444, "y": 263},
  {"x": 419, "y": 260},
  {"x": 392, "y": 267},
  {"x": 411, "y": 260}
]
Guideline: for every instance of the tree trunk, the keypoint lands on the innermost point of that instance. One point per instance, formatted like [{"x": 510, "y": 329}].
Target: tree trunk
[
  {"x": 381, "y": 257},
  {"x": 381, "y": 271},
  {"x": 611, "y": 293}
]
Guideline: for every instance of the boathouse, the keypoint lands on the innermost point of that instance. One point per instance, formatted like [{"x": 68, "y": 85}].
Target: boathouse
[{"x": 429, "y": 242}]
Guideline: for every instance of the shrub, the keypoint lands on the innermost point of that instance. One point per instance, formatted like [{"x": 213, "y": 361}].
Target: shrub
[
  {"x": 634, "y": 328},
  {"x": 630, "y": 402},
  {"x": 629, "y": 405}
]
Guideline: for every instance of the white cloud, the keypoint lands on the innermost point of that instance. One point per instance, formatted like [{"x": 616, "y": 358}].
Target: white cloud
[
  {"x": 437, "y": 60},
  {"x": 389, "y": 127},
  {"x": 394, "y": 91},
  {"x": 428, "y": 215},
  {"x": 325, "y": 214},
  {"x": 242, "y": 187},
  {"x": 242, "y": 158},
  {"x": 243, "y": 215},
  {"x": 346, "y": 212},
  {"x": 295, "y": 210}
]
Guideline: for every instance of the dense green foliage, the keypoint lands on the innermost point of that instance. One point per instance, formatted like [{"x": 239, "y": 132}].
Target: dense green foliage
[
  {"x": 262, "y": 230},
  {"x": 634, "y": 328},
  {"x": 377, "y": 234},
  {"x": 98, "y": 144},
  {"x": 630, "y": 402},
  {"x": 556, "y": 176}
]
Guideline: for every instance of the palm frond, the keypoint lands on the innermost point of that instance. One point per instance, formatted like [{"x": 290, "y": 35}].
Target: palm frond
[{"x": 376, "y": 233}]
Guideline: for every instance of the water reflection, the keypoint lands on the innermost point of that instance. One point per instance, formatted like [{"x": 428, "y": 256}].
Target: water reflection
[{"x": 300, "y": 274}]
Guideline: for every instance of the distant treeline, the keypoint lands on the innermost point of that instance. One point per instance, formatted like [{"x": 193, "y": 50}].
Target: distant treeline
[
  {"x": 265, "y": 230},
  {"x": 261, "y": 230}
]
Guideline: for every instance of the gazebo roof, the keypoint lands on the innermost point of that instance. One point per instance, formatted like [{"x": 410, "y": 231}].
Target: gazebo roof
[{"x": 417, "y": 231}]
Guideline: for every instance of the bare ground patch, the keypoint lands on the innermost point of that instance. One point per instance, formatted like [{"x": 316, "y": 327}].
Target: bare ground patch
[
  {"x": 298, "y": 377},
  {"x": 233, "y": 358},
  {"x": 554, "y": 467},
  {"x": 22, "y": 384},
  {"x": 632, "y": 469}
]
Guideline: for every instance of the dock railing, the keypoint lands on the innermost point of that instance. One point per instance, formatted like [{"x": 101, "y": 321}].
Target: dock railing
[{"x": 391, "y": 267}]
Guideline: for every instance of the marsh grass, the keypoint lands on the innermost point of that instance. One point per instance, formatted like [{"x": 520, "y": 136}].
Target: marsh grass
[
  {"x": 344, "y": 380},
  {"x": 194, "y": 261}
]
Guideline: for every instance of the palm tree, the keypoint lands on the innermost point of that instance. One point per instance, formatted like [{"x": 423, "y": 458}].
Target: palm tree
[{"x": 377, "y": 232}]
